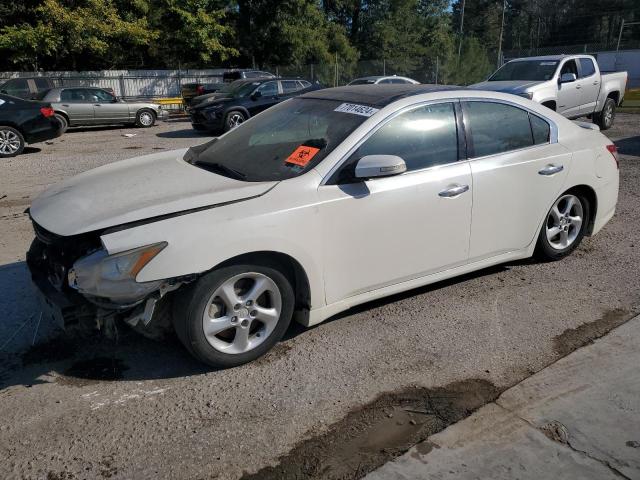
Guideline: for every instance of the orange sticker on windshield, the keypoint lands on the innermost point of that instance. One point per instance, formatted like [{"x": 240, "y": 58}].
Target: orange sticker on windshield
[{"x": 302, "y": 155}]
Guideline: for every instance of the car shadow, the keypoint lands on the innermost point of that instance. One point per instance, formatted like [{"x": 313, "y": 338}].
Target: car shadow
[
  {"x": 79, "y": 357},
  {"x": 186, "y": 133},
  {"x": 29, "y": 150},
  {"x": 629, "y": 146}
]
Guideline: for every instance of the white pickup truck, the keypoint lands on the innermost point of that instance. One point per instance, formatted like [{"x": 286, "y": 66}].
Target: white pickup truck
[{"x": 569, "y": 84}]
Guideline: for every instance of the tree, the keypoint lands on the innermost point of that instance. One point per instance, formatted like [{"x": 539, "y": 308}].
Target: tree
[{"x": 81, "y": 36}]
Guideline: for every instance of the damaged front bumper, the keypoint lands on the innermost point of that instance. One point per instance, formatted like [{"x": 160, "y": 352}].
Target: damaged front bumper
[{"x": 51, "y": 258}]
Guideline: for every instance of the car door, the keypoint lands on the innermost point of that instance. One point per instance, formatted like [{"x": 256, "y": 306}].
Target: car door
[
  {"x": 590, "y": 86},
  {"x": 78, "y": 104},
  {"x": 569, "y": 93},
  {"x": 518, "y": 169},
  {"x": 384, "y": 231},
  {"x": 107, "y": 109},
  {"x": 268, "y": 95}
]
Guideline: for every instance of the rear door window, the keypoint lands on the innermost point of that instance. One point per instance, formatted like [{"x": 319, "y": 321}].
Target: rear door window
[
  {"x": 289, "y": 86},
  {"x": 586, "y": 67},
  {"x": 497, "y": 128},
  {"x": 76, "y": 95}
]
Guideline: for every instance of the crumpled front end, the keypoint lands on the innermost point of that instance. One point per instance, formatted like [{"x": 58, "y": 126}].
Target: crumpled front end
[{"x": 80, "y": 283}]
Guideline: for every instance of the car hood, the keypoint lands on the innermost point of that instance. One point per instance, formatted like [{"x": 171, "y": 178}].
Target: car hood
[
  {"x": 136, "y": 189},
  {"x": 210, "y": 99},
  {"x": 511, "y": 86}
]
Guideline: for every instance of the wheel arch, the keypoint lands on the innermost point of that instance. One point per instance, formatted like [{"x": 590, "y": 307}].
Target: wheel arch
[
  {"x": 239, "y": 108},
  {"x": 287, "y": 265},
  {"x": 590, "y": 194},
  {"x": 615, "y": 96}
]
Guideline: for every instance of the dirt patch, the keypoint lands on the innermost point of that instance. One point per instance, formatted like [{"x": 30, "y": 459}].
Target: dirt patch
[
  {"x": 379, "y": 431},
  {"x": 99, "y": 369},
  {"x": 131, "y": 148},
  {"x": 574, "y": 338}
]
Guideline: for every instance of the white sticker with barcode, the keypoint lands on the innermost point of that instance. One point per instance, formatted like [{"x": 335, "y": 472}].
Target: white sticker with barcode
[{"x": 362, "y": 110}]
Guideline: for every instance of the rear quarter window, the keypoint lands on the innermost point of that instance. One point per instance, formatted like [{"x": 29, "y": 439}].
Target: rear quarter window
[{"x": 540, "y": 129}]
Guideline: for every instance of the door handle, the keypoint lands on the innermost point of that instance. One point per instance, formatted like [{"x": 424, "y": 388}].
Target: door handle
[
  {"x": 96, "y": 104},
  {"x": 578, "y": 87},
  {"x": 551, "y": 170},
  {"x": 454, "y": 191},
  {"x": 596, "y": 83},
  {"x": 65, "y": 104}
]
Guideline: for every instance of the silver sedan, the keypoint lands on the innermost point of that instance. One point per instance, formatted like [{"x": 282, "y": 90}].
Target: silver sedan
[{"x": 76, "y": 106}]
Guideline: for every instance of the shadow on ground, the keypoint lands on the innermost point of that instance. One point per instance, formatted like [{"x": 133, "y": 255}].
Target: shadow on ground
[
  {"x": 185, "y": 133},
  {"x": 629, "y": 146},
  {"x": 35, "y": 350}
]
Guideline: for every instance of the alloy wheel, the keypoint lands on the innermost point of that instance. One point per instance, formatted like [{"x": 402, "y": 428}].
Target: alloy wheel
[
  {"x": 242, "y": 313},
  {"x": 146, "y": 119},
  {"x": 608, "y": 115},
  {"x": 564, "y": 222},
  {"x": 235, "y": 120},
  {"x": 9, "y": 142}
]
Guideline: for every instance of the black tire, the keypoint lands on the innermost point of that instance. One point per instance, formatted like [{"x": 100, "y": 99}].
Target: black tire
[
  {"x": 64, "y": 123},
  {"x": 545, "y": 251},
  {"x": 189, "y": 307},
  {"x": 11, "y": 142},
  {"x": 233, "y": 118},
  {"x": 145, "y": 118},
  {"x": 604, "y": 119}
]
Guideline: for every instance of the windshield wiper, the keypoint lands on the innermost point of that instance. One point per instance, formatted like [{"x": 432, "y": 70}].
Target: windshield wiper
[{"x": 220, "y": 168}]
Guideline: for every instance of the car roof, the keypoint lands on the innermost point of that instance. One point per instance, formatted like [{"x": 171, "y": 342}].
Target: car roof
[
  {"x": 550, "y": 57},
  {"x": 376, "y": 95}
]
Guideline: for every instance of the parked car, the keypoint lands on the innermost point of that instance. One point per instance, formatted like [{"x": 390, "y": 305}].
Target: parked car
[
  {"x": 243, "y": 99},
  {"x": 377, "y": 80},
  {"x": 571, "y": 85},
  {"x": 75, "y": 106},
  {"x": 191, "y": 90},
  {"x": 24, "y": 122},
  {"x": 323, "y": 202},
  {"x": 26, "y": 87}
]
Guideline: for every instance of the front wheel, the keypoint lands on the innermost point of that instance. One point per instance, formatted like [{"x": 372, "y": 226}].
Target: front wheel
[
  {"x": 564, "y": 227},
  {"x": 233, "y": 119},
  {"x": 11, "y": 142},
  {"x": 605, "y": 118},
  {"x": 234, "y": 315},
  {"x": 145, "y": 118}
]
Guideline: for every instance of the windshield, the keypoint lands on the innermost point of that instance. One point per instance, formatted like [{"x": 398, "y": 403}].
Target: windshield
[
  {"x": 533, "y": 70},
  {"x": 283, "y": 142}
]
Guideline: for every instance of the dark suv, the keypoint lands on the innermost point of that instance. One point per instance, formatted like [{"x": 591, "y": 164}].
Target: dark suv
[
  {"x": 238, "y": 101},
  {"x": 26, "y": 87},
  {"x": 189, "y": 91}
]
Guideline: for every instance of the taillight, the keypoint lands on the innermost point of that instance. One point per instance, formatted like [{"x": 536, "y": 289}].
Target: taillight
[
  {"x": 47, "y": 112},
  {"x": 200, "y": 89},
  {"x": 613, "y": 150}
]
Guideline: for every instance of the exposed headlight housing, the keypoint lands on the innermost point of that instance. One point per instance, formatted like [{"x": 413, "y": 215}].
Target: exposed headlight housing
[
  {"x": 528, "y": 95},
  {"x": 113, "y": 277}
]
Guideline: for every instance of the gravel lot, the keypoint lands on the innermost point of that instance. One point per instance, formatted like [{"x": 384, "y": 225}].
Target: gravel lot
[{"x": 333, "y": 401}]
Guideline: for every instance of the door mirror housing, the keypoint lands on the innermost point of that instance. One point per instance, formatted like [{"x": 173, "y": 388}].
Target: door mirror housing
[
  {"x": 373, "y": 166},
  {"x": 568, "y": 78}
]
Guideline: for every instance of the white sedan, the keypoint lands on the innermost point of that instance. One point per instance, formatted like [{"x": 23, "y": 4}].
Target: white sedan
[{"x": 323, "y": 202}]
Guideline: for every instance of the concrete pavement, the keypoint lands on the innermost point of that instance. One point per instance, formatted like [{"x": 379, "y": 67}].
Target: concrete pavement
[{"x": 576, "y": 419}]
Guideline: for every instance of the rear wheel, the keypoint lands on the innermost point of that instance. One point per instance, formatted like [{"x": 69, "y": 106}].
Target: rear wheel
[
  {"x": 145, "y": 118},
  {"x": 564, "y": 227},
  {"x": 605, "y": 118},
  {"x": 64, "y": 123},
  {"x": 11, "y": 142},
  {"x": 234, "y": 315}
]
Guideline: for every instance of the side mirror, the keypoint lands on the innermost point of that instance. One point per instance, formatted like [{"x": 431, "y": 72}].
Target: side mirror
[
  {"x": 568, "y": 78},
  {"x": 372, "y": 166},
  {"x": 255, "y": 95}
]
